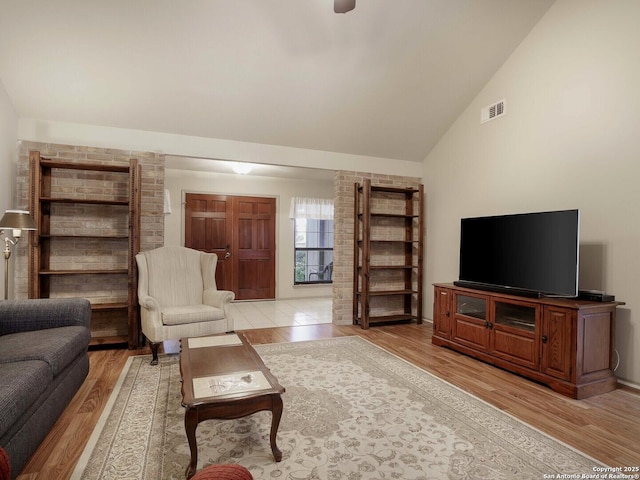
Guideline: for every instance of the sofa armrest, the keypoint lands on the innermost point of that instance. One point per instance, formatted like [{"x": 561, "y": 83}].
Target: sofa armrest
[{"x": 37, "y": 314}]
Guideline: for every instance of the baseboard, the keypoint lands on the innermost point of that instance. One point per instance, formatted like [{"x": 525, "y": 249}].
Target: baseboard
[{"x": 631, "y": 385}]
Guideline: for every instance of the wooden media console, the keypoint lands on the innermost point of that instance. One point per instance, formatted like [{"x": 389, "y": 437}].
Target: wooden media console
[{"x": 567, "y": 344}]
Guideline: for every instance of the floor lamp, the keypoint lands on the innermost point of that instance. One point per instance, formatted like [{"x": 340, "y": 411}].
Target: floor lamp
[{"x": 16, "y": 220}]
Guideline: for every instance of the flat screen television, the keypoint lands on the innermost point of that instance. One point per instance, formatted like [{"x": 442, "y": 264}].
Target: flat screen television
[{"x": 530, "y": 254}]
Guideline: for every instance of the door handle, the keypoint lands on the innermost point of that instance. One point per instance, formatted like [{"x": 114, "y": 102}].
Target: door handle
[{"x": 227, "y": 255}]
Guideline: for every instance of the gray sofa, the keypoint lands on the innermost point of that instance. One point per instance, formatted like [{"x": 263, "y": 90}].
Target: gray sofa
[{"x": 43, "y": 362}]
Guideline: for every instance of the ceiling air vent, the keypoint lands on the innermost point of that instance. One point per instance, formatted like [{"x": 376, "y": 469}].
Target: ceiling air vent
[{"x": 493, "y": 111}]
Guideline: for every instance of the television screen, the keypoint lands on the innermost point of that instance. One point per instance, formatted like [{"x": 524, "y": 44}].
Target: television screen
[{"x": 536, "y": 253}]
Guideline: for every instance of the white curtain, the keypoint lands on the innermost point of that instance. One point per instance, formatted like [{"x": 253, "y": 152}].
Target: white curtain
[{"x": 311, "y": 208}]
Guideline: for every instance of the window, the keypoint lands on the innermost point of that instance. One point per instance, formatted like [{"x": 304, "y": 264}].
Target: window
[
  {"x": 313, "y": 230},
  {"x": 313, "y": 251}
]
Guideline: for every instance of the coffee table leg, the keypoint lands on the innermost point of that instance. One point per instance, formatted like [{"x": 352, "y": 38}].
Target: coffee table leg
[
  {"x": 276, "y": 415},
  {"x": 190, "y": 425}
]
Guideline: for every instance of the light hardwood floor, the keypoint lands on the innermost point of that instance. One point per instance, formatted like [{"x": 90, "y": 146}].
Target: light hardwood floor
[{"x": 606, "y": 427}]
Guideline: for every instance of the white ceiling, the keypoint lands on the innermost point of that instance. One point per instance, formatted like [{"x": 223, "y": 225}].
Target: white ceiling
[{"x": 385, "y": 80}]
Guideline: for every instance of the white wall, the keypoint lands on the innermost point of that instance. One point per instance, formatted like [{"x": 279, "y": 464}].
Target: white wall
[
  {"x": 8, "y": 161},
  {"x": 179, "y": 182},
  {"x": 39, "y": 130},
  {"x": 570, "y": 139}
]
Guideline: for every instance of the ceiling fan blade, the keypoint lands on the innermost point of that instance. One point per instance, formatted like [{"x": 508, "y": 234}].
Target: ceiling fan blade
[{"x": 343, "y": 6}]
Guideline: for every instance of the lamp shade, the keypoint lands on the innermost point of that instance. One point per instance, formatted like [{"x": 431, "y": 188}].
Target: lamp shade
[{"x": 17, "y": 220}]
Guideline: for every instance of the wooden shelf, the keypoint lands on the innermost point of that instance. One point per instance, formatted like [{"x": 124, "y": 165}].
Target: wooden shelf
[
  {"x": 88, "y": 201},
  {"x": 406, "y": 291},
  {"x": 382, "y": 240},
  {"x": 84, "y": 272},
  {"x": 109, "y": 306},
  {"x": 385, "y": 189},
  {"x": 391, "y": 318},
  {"x": 95, "y": 167},
  {"x": 111, "y": 323},
  {"x": 388, "y": 292},
  {"x": 390, "y": 267},
  {"x": 88, "y": 237},
  {"x": 402, "y": 238},
  {"x": 391, "y": 215}
]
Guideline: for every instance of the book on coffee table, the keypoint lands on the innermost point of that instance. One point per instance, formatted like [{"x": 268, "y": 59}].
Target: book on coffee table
[
  {"x": 214, "y": 341},
  {"x": 234, "y": 383}
]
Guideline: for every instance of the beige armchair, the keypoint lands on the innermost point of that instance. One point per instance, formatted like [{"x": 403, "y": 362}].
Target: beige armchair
[{"x": 178, "y": 296}]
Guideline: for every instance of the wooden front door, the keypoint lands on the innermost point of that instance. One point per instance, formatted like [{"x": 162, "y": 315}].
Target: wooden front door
[{"x": 241, "y": 231}]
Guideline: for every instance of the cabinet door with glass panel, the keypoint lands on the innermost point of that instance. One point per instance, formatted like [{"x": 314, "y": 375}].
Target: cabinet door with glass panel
[
  {"x": 514, "y": 326},
  {"x": 471, "y": 321}
]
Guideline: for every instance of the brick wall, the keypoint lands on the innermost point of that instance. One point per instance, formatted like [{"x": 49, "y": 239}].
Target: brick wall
[
  {"x": 344, "y": 182},
  {"x": 77, "y": 219}
]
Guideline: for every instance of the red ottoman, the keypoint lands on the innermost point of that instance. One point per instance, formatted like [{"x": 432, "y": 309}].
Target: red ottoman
[{"x": 227, "y": 471}]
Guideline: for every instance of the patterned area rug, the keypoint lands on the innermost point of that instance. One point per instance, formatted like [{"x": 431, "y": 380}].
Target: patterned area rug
[{"x": 351, "y": 411}]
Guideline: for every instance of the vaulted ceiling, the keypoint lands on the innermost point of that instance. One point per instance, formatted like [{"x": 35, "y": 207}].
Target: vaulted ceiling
[{"x": 385, "y": 80}]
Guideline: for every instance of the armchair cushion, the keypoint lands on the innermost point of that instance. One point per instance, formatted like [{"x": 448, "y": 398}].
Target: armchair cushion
[{"x": 183, "y": 314}]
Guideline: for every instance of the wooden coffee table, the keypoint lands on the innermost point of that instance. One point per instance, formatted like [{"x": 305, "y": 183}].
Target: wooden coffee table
[{"x": 223, "y": 377}]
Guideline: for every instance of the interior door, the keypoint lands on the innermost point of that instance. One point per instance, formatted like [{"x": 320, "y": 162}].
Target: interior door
[{"x": 241, "y": 231}]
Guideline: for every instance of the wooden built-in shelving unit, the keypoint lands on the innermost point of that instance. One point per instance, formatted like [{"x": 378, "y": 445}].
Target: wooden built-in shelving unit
[
  {"x": 88, "y": 237},
  {"x": 388, "y": 250}
]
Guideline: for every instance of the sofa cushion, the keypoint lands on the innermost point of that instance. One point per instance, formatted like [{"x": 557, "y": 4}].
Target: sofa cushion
[
  {"x": 190, "y": 314},
  {"x": 21, "y": 383},
  {"x": 58, "y": 347}
]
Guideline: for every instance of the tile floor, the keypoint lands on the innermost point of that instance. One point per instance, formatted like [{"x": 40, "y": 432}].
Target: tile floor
[{"x": 281, "y": 313}]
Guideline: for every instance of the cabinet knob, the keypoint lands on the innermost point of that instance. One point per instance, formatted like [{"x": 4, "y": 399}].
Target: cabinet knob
[
  {"x": 489, "y": 325},
  {"x": 447, "y": 314},
  {"x": 544, "y": 339}
]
